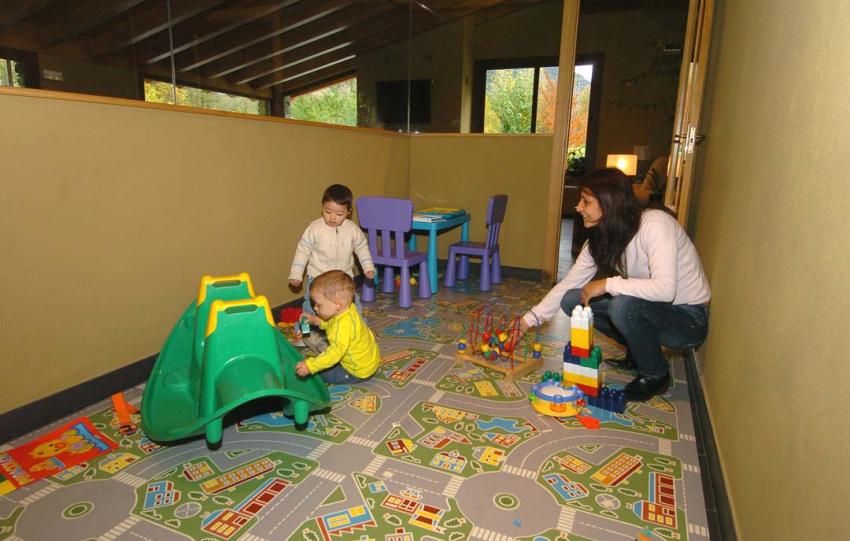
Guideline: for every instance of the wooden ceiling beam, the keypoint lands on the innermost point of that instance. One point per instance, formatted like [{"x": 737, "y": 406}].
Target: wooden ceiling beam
[
  {"x": 422, "y": 22},
  {"x": 20, "y": 10},
  {"x": 291, "y": 18},
  {"x": 337, "y": 25},
  {"x": 320, "y": 77},
  {"x": 216, "y": 22},
  {"x": 385, "y": 20},
  {"x": 303, "y": 68},
  {"x": 149, "y": 22},
  {"x": 83, "y": 16}
]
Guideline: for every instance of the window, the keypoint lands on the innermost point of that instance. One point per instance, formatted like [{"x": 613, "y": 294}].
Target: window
[
  {"x": 10, "y": 74},
  {"x": 519, "y": 96},
  {"x": 18, "y": 68},
  {"x": 333, "y": 104},
  {"x": 162, "y": 92}
]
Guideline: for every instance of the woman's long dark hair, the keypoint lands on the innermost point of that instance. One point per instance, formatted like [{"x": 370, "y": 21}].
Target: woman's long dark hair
[{"x": 620, "y": 219}]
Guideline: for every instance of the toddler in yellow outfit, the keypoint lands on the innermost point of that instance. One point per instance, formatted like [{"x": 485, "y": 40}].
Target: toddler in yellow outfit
[{"x": 352, "y": 354}]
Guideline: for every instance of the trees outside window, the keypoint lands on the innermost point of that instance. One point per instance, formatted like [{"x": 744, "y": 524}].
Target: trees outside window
[
  {"x": 10, "y": 73},
  {"x": 334, "y": 104},
  {"x": 520, "y": 96},
  {"x": 162, "y": 92}
]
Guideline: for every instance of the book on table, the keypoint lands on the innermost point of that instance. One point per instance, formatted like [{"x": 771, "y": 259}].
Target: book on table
[{"x": 433, "y": 214}]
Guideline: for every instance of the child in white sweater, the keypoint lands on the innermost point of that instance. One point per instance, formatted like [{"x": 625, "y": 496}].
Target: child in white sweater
[{"x": 330, "y": 243}]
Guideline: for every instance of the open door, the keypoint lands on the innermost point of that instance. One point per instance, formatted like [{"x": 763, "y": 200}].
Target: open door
[{"x": 686, "y": 122}]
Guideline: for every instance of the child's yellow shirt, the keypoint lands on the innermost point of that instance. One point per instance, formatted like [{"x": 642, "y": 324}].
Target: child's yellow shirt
[{"x": 351, "y": 343}]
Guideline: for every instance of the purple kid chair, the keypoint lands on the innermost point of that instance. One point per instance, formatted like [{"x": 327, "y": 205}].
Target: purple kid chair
[
  {"x": 487, "y": 251},
  {"x": 391, "y": 217}
]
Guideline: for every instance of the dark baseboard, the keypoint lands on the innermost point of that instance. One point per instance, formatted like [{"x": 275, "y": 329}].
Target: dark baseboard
[
  {"x": 23, "y": 420},
  {"x": 521, "y": 273},
  {"x": 717, "y": 506}
]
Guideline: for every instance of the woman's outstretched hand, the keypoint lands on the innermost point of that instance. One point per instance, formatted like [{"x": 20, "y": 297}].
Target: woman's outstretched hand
[{"x": 592, "y": 290}]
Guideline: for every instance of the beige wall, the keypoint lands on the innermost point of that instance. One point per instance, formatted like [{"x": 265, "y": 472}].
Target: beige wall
[
  {"x": 771, "y": 227},
  {"x": 110, "y": 215},
  {"x": 465, "y": 170},
  {"x": 621, "y": 37}
]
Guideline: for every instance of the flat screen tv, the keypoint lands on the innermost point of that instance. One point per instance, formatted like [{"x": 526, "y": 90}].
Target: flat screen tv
[{"x": 392, "y": 101}]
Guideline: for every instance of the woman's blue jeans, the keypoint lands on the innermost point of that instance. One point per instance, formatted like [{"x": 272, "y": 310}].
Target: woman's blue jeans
[{"x": 644, "y": 326}]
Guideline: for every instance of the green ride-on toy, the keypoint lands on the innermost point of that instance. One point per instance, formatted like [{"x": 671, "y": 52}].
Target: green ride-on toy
[{"x": 224, "y": 352}]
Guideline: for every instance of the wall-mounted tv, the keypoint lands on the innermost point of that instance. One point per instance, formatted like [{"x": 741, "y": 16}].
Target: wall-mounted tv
[{"x": 392, "y": 101}]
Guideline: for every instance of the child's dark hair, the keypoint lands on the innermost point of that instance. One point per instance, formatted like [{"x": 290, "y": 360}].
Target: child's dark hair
[
  {"x": 339, "y": 194},
  {"x": 335, "y": 285}
]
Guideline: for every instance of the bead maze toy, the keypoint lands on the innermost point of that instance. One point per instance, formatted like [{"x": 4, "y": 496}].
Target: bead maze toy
[
  {"x": 498, "y": 346},
  {"x": 224, "y": 352}
]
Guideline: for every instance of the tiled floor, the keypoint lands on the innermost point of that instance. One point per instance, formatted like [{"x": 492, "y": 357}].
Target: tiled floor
[
  {"x": 565, "y": 256},
  {"x": 430, "y": 448}
]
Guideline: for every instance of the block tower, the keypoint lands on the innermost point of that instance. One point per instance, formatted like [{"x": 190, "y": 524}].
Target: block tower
[{"x": 581, "y": 357}]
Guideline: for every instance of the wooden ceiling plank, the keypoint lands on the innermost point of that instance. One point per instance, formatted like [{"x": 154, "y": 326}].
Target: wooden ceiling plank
[
  {"x": 422, "y": 22},
  {"x": 318, "y": 77},
  {"x": 304, "y": 55},
  {"x": 148, "y": 23},
  {"x": 303, "y": 68},
  {"x": 295, "y": 17},
  {"x": 383, "y": 21},
  {"x": 192, "y": 34},
  {"x": 20, "y": 10},
  {"x": 84, "y": 16},
  {"x": 314, "y": 31}
]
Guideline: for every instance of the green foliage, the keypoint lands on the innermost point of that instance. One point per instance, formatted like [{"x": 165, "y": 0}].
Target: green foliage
[
  {"x": 10, "y": 75},
  {"x": 335, "y": 104},
  {"x": 577, "y": 161},
  {"x": 507, "y": 106},
  {"x": 162, "y": 92}
]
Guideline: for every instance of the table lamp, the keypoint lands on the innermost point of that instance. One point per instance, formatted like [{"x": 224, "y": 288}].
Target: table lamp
[{"x": 627, "y": 163}]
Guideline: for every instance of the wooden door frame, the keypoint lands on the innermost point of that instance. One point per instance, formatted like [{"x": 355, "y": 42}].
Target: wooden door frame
[
  {"x": 688, "y": 109},
  {"x": 689, "y": 97},
  {"x": 557, "y": 162}
]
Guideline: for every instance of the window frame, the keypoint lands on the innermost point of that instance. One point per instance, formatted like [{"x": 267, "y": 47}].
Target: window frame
[
  {"x": 28, "y": 64},
  {"x": 479, "y": 84}
]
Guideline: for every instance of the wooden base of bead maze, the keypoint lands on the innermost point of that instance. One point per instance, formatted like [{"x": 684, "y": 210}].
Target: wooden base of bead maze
[
  {"x": 513, "y": 365},
  {"x": 511, "y": 370}
]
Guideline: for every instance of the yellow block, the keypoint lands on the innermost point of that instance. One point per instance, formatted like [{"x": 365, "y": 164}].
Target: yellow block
[{"x": 581, "y": 380}]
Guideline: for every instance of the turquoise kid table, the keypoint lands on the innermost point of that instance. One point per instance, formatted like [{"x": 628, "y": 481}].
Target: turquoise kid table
[{"x": 433, "y": 228}]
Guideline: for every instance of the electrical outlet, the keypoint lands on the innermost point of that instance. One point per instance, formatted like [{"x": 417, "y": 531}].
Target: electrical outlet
[{"x": 52, "y": 75}]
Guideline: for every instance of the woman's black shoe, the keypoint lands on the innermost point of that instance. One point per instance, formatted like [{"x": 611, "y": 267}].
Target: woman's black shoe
[
  {"x": 626, "y": 363},
  {"x": 642, "y": 388}
]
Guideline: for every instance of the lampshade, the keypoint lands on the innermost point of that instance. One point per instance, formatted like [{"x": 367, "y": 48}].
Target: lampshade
[{"x": 627, "y": 163}]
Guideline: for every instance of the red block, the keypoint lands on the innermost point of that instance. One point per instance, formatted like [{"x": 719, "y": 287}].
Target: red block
[
  {"x": 579, "y": 352},
  {"x": 290, "y": 314},
  {"x": 589, "y": 391},
  {"x": 588, "y": 421}
]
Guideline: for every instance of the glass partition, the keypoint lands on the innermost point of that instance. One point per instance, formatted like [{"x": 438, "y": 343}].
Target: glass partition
[{"x": 401, "y": 65}]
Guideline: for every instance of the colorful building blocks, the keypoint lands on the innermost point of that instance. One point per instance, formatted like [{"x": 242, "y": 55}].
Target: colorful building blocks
[
  {"x": 581, "y": 330},
  {"x": 609, "y": 399},
  {"x": 581, "y": 358}
]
